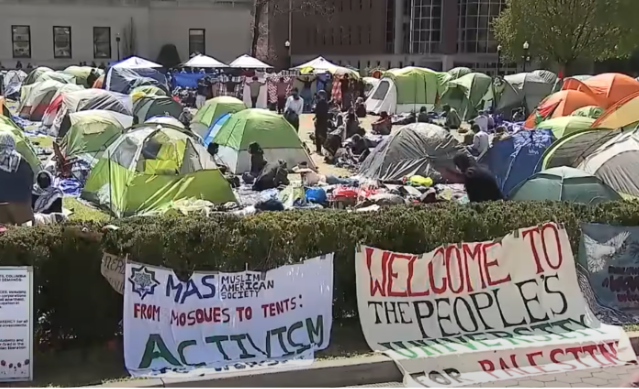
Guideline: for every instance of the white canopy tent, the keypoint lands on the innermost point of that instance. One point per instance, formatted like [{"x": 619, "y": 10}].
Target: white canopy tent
[
  {"x": 136, "y": 63},
  {"x": 321, "y": 65},
  {"x": 204, "y": 61},
  {"x": 247, "y": 62}
]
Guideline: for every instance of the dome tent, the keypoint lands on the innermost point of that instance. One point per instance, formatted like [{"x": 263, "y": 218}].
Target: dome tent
[
  {"x": 591, "y": 111},
  {"x": 459, "y": 72},
  {"x": 147, "y": 107},
  {"x": 23, "y": 145},
  {"x": 212, "y": 110},
  {"x": 146, "y": 90},
  {"x": 521, "y": 90},
  {"x": 92, "y": 132},
  {"x": 564, "y": 184},
  {"x": 36, "y": 99},
  {"x": 566, "y": 125},
  {"x": 271, "y": 131},
  {"x": 416, "y": 149},
  {"x": 573, "y": 148},
  {"x": 149, "y": 167},
  {"x": 468, "y": 94}
]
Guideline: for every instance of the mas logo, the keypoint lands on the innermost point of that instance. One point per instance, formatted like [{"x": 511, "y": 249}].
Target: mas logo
[{"x": 143, "y": 281}]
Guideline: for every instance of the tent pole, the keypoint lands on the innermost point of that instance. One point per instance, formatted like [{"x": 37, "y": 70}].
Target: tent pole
[{"x": 110, "y": 185}]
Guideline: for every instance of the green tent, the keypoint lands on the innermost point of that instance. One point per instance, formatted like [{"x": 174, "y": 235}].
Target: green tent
[
  {"x": 91, "y": 132},
  {"x": 147, "y": 107},
  {"x": 23, "y": 145},
  {"x": 212, "y": 110},
  {"x": 35, "y": 74},
  {"x": 407, "y": 89},
  {"x": 564, "y": 184},
  {"x": 271, "y": 131},
  {"x": 459, "y": 72},
  {"x": 151, "y": 166},
  {"x": 146, "y": 90},
  {"x": 468, "y": 94},
  {"x": 591, "y": 111},
  {"x": 566, "y": 125},
  {"x": 572, "y": 149}
]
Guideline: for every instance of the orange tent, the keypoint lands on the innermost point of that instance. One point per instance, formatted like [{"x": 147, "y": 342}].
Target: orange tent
[
  {"x": 620, "y": 115},
  {"x": 559, "y": 104},
  {"x": 608, "y": 88}
]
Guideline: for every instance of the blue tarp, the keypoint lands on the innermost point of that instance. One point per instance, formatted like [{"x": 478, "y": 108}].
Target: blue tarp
[
  {"x": 214, "y": 128},
  {"x": 186, "y": 80},
  {"x": 514, "y": 159}
]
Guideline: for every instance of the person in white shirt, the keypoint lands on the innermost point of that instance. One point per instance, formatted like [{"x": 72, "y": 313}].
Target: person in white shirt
[
  {"x": 293, "y": 108},
  {"x": 482, "y": 121},
  {"x": 481, "y": 141}
]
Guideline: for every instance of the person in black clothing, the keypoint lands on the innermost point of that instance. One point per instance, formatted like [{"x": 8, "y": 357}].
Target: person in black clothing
[
  {"x": 321, "y": 121},
  {"x": 345, "y": 84},
  {"x": 480, "y": 183},
  {"x": 257, "y": 159},
  {"x": 202, "y": 92},
  {"x": 423, "y": 117}
]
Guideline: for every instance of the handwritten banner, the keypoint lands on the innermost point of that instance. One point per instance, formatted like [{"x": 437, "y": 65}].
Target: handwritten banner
[
  {"x": 112, "y": 269},
  {"x": 216, "y": 322},
  {"x": 470, "y": 313},
  {"x": 609, "y": 271}
]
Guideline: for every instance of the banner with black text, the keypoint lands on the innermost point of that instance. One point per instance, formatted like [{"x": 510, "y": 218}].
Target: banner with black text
[{"x": 469, "y": 313}]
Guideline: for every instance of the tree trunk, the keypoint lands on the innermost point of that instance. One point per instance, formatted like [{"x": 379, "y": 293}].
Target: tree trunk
[{"x": 257, "y": 21}]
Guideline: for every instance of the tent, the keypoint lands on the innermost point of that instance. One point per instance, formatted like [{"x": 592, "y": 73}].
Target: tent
[
  {"x": 52, "y": 110},
  {"x": 615, "y": 163},
  {"x": 573, "y": 148},
  {"x": 566, "y": 125},
  {"x": 91, "y": 132},
  {"x": 204, "y": 61},
  {"x": 33, "y": 76},
  {"x": 150, "y": 106},
  {"x": 468, "y": 94},
  {"x": 525, "y": 90},
  {"x": 271, "y": 131},
  {"x": 416, "y": 149},
  {"x": 214, "y": 129},
  {"x": 622, "y": 114},
  {"x": 126, "y": 75},
  {"x": 322, "y": 65},
  {"x": 84, "y": 75},
  {"x": 85, "y": 100},
  {"x": 564, "y": 184},
  {"x": 459, "y": 72},
  {"x": 169, "y": 120},
  {"x": 590, "y": 111},
  {"x": 247, "y": 62},
  {"x": 406, "y": 90},
  {"x": 135, "y": 63},
  {"x": 559, "y": 104},
  {"x": 607, "y": 88},
  {"x": 149, "y": 167},
  {"x": 212, "y": 110},
  {"x": 23, "y": 145},
  {"x": 146, "y": 90},
  {"x": 37, "y": 98},
  {"x": 4, "y": 110},
  {"x": 57, "y": 76},
  {"x": 370, "y": 84},
  {"x": 12, "y": 82},
  {"x": 515, "y": 158}
]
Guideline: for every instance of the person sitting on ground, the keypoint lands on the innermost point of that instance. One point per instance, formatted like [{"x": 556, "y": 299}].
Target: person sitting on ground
[
  {"x": 423, "y": 117},
  {"x": 16, "y": 183},
  {"x": 352, "y": 124},
  {"x": 359, "y": 147},
  {"x": 360, "y": 108},
  {"x": 481, "y": 141},
  {"x": 500, "y": 134},
  {"x": 453, "y": 121},
  {"x": 293, "y": 108},
  {"x": 482, "y": 121},
  {"x": 332, "y": 144},
  {"x": 257, "y": 159},
  {"x": 480, "y": 183},
  {"x": 46, "y": 198},
  {"x": 383, "y": 125},
  {"x": 273, "y": 176}
]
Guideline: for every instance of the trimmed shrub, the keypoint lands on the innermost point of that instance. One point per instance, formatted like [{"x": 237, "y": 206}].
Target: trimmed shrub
[{"x": 76, "y": 307}]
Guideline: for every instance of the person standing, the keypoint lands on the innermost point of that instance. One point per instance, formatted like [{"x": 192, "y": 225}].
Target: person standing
[
  {"x": 344, "y": 85},
  {"x": 282, "y": 91},
  {"x": 321, "y": 121},
  {"x": 201, "y": 93},
  {"x": 255, "y": 86},
  {"x": 294, "y": 108}
]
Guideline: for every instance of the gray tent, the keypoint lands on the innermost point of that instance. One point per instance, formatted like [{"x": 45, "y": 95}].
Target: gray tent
[
  {"x": 149, "y": 106},
  {"x": 416, "y": 149},
  {"x": 522, "y": 90},
  {"x": 459, "y": 72}
]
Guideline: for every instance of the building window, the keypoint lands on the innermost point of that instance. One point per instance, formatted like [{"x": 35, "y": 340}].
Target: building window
[
  {"x": 62, "y": 42},
  {"x": 474, "y": 26},
  {"x": 197, "y": 41},
  {"x": 21, "y": 41},
  {"x": 101, "y": 42},
  {"x": 425, "y": 29}
]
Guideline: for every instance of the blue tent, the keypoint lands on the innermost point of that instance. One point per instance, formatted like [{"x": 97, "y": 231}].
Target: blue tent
[
  {"x": 514, "y": 159},
  {"x": 214, "y": 128}
]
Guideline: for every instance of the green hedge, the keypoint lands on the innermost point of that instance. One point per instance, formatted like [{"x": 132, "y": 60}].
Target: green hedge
[{"x": 76, "y": 307}]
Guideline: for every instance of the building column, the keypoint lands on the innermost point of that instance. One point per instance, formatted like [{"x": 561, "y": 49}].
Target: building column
[{"x": 398, "y": 24}]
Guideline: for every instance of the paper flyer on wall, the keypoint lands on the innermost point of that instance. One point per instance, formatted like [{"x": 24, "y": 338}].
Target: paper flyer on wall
[
  {"x": 469, "y": 313},
  {"x": 221, "y": 322}
]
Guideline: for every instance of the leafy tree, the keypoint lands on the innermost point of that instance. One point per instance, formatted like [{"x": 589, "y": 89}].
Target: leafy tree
[
  {"x": 262, "y": 8},
  {"x": 564, "y": 31}
]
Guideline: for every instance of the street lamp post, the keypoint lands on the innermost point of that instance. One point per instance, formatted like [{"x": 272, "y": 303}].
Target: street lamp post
[
  {"x": 499, "y": 48},
  {"x": 117, "y": 44},
  {"x": 289, "y": 57},
  {"x": 525, "y": 57}
]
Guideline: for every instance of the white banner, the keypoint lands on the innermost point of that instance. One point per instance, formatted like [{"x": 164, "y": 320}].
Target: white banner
[
  {"x": 16, "y": 323},
  {"x": 470, "y": 313},
  {"x": 112, "y": 269},
  {"x": 226, "y": 321}
]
